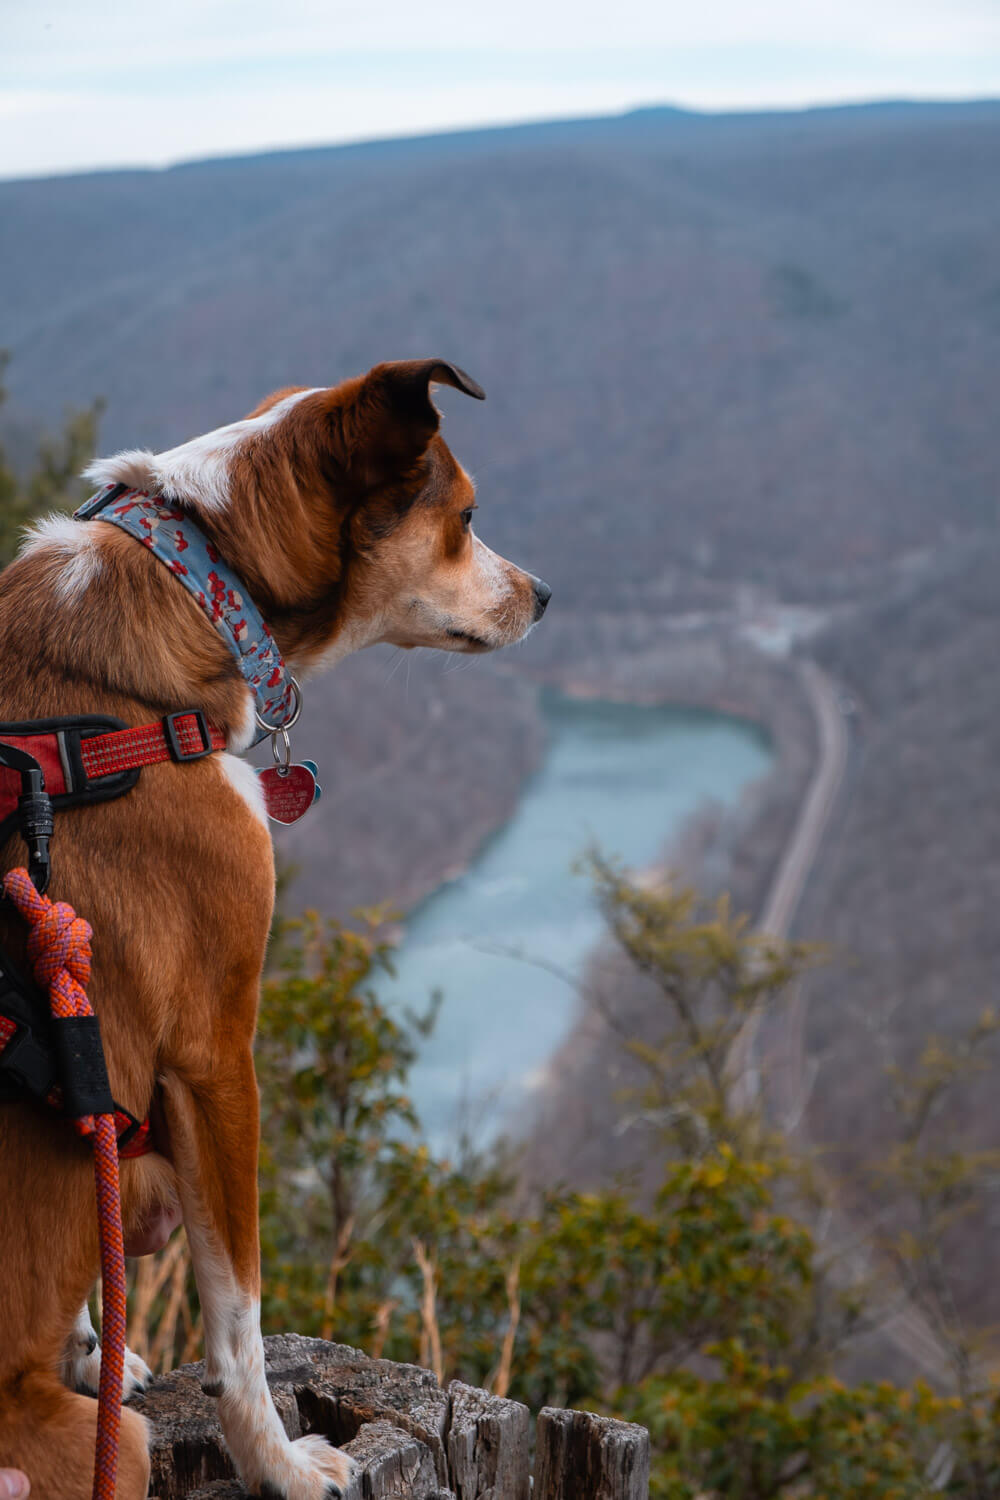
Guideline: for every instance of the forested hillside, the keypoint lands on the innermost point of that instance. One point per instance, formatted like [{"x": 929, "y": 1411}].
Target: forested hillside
[{"x": 767, "y": 342}]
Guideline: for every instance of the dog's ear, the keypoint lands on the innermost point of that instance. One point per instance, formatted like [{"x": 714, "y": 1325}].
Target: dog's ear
[{"x": 390, "y": 418}]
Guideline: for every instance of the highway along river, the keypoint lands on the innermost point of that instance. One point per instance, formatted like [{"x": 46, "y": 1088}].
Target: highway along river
[{"x": 621, "y": 776}]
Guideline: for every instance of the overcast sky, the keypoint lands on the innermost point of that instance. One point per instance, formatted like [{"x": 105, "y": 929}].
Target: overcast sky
[{"x": 87, "y": 83}]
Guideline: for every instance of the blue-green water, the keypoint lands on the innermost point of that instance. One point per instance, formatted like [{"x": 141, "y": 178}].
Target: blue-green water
[{"x": 621, "y": 776}]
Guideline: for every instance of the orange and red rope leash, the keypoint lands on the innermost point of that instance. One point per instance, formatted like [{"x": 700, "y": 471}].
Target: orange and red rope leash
[{"x": 59, "y": 950}]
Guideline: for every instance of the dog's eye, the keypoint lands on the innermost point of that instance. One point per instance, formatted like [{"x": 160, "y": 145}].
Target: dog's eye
[{"x": 467, "y": 518}]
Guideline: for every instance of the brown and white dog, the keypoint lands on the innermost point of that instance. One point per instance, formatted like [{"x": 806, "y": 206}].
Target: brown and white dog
[{"x": 349, "y": 522}]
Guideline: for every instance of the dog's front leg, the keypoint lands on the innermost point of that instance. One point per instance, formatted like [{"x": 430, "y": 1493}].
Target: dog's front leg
[{"x": 214, "y": 1136}]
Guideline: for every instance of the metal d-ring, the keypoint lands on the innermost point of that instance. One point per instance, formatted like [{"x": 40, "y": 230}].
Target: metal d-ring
[
  {"x": 289, "y": 722},
  {"x": 282, "y": 757}
]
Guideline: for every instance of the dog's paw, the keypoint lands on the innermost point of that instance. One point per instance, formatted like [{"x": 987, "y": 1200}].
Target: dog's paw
[
  {"x": 308, "y": 1469},
  {"x": 81, "y": 1366},
  {"x": 82, "y": 1369},
  {"x": 136, "y": 1377}
]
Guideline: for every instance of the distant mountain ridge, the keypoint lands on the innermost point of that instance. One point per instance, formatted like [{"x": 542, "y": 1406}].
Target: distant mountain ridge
[
  {"x": 550, "y": 131},
  {"x": 768, "y": 341}
]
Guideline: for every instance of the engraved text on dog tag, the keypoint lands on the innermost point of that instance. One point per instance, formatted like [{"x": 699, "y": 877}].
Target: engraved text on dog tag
[{"x": 290, "y": 791}]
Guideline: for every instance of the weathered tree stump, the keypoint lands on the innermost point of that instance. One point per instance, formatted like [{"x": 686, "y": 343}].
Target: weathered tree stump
[
  {"x": 317, "y": 1387},
  {"x": 489, "y": 1445},
  {"x": 392, "y": 1464},
  {"x": 410, "y": 1439},
  {"x": 581, "y": 1454}
]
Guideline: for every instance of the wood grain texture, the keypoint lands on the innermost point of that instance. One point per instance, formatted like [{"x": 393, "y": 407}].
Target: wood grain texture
[
  {"x": 580, "y": 1456},
  {"x": 489, "y": 1445}
]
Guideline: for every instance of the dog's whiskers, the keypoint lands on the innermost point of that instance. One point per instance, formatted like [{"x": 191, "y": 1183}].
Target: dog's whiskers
[{"x": 394, "y": 666}]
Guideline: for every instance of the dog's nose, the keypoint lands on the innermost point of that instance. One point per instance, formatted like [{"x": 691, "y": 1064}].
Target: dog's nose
[{"x": 542, "y": 596}]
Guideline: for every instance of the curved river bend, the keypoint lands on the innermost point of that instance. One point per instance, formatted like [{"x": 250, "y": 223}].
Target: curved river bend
[{"x": 621, "y": 776}]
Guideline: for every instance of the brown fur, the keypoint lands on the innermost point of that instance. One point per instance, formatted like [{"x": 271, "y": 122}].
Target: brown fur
[{"x": 336, "y": 519}]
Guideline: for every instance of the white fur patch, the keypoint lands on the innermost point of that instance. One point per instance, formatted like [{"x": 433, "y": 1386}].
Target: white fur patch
[
  {"x": 76, "y": 543},
  {"x": 241, "y": 739},
  {"x": 234, "y": 1359},
  {"x": 350, "y": 638},
  {"x": 244, "y": 780},
  {"x": 234, "y": 1367},
  {"x": 494, "y": 572},
  {"x": 196, "y": 471}
]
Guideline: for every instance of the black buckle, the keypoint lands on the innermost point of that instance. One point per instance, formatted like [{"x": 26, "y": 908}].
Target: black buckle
[
  {"x": 104, "y": 497},
  {"x": 173, "y": 739}
]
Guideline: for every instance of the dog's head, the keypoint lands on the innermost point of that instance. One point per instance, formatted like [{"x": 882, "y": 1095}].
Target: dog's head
[{"x": 348, "y": 518}]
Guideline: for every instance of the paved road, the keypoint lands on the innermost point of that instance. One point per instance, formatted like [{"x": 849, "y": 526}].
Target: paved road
[
  {"x": 814, "y": 814},
  {"x": 789, "y": 1078},
  {"x": 793, "y": 871}
]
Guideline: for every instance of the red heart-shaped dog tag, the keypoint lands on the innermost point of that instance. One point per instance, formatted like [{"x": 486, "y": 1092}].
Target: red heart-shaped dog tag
[{"x": 288, "y": 793}]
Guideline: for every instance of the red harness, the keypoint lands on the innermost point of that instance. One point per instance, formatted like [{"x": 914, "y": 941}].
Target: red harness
[
  {"x": 75, "y": 764},
  {"x": 82, "y": 764}
]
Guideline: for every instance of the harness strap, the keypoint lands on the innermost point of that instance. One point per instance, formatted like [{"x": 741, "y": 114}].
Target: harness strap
[
  {"x": 181, "y": 737},
  {"x": 95, "y": 758}
]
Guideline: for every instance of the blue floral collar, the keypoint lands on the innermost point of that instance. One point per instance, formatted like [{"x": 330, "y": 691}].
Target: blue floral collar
[{"x": 171, "y": 535}]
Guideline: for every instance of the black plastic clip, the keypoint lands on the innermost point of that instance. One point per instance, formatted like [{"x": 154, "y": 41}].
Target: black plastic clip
[
  {"x": 34, "y": 812},
  {"x": 98, "y": 502},
  {"x": 177, "y": 751}
]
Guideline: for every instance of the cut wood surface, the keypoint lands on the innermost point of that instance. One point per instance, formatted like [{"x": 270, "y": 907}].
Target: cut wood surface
[
  {"x": 489, "y": 1445},
  {"x": 586, "y": 1457},
  {"x": 391, "y": 1463},
  {"x": 410, "y": 1439}
]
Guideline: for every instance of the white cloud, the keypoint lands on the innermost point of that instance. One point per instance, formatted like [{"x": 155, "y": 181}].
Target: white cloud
[
  {"x": 66, "y": 34},
  {"x": 209, "y": 77}
]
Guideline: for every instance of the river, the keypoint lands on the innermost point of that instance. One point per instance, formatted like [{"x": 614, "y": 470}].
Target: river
[{"x": 622, "y": 776}]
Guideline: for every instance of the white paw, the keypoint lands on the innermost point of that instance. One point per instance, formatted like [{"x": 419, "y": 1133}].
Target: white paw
[
  {"x": 308, "y": 1469},
  {"x": 81, "y": 1366},
  {"x": 81, "y": 1369},
  {"x": 137, "y": 1375}
]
